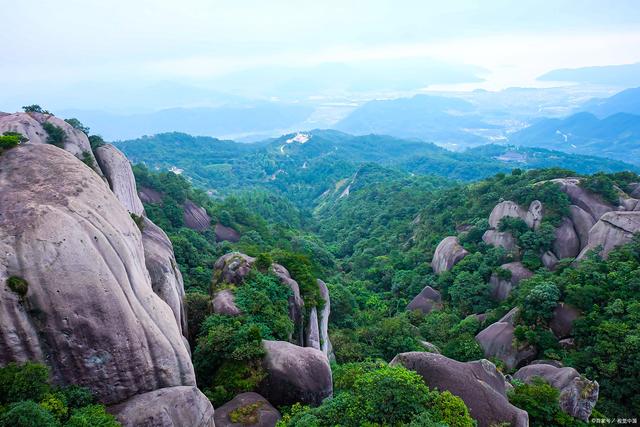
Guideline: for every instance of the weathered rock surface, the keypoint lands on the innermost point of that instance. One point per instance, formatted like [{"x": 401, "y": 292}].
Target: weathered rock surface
[
  {"x": 295, "y": 374},
  {"x": 578, "y": 395},
  {"x": 296, "y": 304},
  {"x": 325, "y": 341},
  {"x": 448, "y": 253},
  {"x": 550, "y": 260},
  {"x": 430, "y": 347},
  {"x": 612, "y": 230},
  {"x": 312, "y": 338},
  {"x": 195, "y": 217},
  {"x": 232, "y": 268},
  {"x": 426, "y": 301},
  {"x": 566, "y": 243},
  {"x": 30, "y": 125},
  {"x": 563, "y": 317},
  {"x": 90, "y": 312},
  {"x": 263, "y": 415},
  {"x": 224, "y": 233},
  {"x": 534, "y": 214},
  {"x": 503, "y": 210},
  {"x": 501, "y": 239},
  {"x": 224, "y": 303},
  {"x": 167, "y": 407},
  {"x": 166, "y": 279},
  {"x": 501, "y": 288},
  {"x": 582, "y": 223},
  {"x": 149, "y": 195},
  {"x": 497, "y": 340},
  {"x": 634, "y": 190},
  {"x": 117, "y": 170},
  {"x": 589, "y": 202},
  {"x": 479, "y": 384}
]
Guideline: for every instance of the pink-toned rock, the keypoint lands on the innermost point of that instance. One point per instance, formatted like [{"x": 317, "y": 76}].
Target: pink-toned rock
[
  {"x": 224, "y": 303},
  {"x": 117, "y": 169},
  {"x": 232, "y": 268},
  {"x": 506, "y": 209},
  {"x": 264, "y": 413},
  {"x": 582, "y": 223},
  {"x": 501, "y": 288},
  {"x": 195, "y": 217},
  {"x": 150, "y": 196},
  {"x": 566, "y": 243},
  {"x": 447, "y": 254},
  {"x": 224, "y": 233},
  {"x": 588, "y": 201},
  {"x": 426, "y": 301},
  {"x": 500, "y": 239},
  {"x": 612, "y": 230}
]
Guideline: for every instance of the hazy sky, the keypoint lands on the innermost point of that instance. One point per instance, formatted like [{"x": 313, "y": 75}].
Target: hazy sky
[{"x": 56, "y": 42}]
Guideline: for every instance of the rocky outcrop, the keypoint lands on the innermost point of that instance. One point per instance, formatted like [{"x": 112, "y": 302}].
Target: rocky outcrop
[
  {"x": 90, "y": 312},
  {"x": 181, "y": 406},
  {"x": 247, "y": 409},
  {"x": 195, "y": 217},
  {"x": 612, "y": 230},
  {"x": 501, "y": 287},
  {"x": 634, "y": 190},
  {"x": 497, "y": 340},
  {"x": 296, "y": 304},
  {"x": 479, "y": 384},
  {"x": 325, "y": 341},
  {"x": 582, "y": 223},
  {"x": 224, "y": 303},
  {"x": 448, "y": 253},
  {"x": 149, "y": 195},
  {"x": 166, "y": 279},
  {"x": 503, "y": 210},
  {"x": 227, "y": 234},
  {"x": 549, "y": 260},
  {"x": 295, "y": 374},
  {"x": 232, "y": 268},
  {"x": 534, "y": 215},
  {"x": 562, "y": 322},
  {"x": 566, "y": 243},
  {"x": 591, "y": 203},
  {"x": 426, "y": 301},
  {"x": 30, "y": 125},
  {"x": 117, "y": 170},
  {"x": 312, "y": 338},
  {"x": 578, "y": 395},
  {"x": 500, "y": 239}
]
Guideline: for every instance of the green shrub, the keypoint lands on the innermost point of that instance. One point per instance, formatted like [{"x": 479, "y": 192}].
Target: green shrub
[
  {"x": 18, "y": 285},
  {"x": 9, "y": 141},
  {"x": 246, "y": 415},
  {"x": 55, "y": 405},
  {"x": 197, "y": 306},
  {"x": 601, "y": 184},
  {"x": 139, "y": 220},
  {"x": 55, "y": 134},
  {"x": 452, "y": 410},
  {"x": 27, "y": 414},
  {"x": 91, "y": 416},
  {"x": 87, "y": 159},
  {"x": 34, "y": 108},
  {"x": 263, "y": 262},
  {"x": 28, "y": 381},
  {"x": 541, "y": 401},
  {"x": 233, "y": 378},
  {"x": 77, "y": 124},
  {"x": 96, "y": 141}
]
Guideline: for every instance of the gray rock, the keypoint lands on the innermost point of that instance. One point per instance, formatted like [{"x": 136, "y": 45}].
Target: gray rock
[
  {"x": 630, "y": 204},
  {"x": 506, "y": 209},
  {"x": 550, "y": 260},
  {"x": 612, "y": 230},
  {"x": 90, "y": 312},
  {"x": 634, "y": 188},
  {"x": 501, "y": 288},
  {"x": 497, "y": 340},
  {"x": 447, "y": 254},
  {"x": 167, "y": 407},
  {"x": 563, "y": 317},
  {"x": 534, "y": 214},
  {"x": 312, "y": 338},
  {"x": 232, "y": 268},
  {"x": 295, "y": 374},
  {"x": 582, "y": 223},
  {"x": 567, "y": 343},
  {"x": 150, "y": 196},
  {"x": 589, "y": 202},
  {"x": 426, "y": 301},
  {"x": 117, "y": 170},
  {"x": 227, "y": 234},
  {"x": 566, "y": 243},
  {"x": 224, "y": 303},
  {"x": 195, "y": 217},
  {"x": 166, "y": 279},
  {"x": 500, "y": 239},
  {"x": 430, "y": 347},
  {"x": 263, "y": 415},
  {"x": 325, "y": 341},
  {"x": 578, "y": 395},
  {"x": 296, "y": 304},
  {"x": 479, "y": 384}
]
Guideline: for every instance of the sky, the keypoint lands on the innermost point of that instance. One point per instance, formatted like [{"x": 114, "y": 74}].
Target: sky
[{"x": 247, "y": 47}]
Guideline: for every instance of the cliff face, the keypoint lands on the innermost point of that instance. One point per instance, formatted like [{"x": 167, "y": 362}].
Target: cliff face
[{"x": 90, "y": 311}]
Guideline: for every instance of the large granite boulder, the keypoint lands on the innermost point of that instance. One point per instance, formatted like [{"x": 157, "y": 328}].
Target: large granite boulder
[
  {"x": 578, "y": 395},
  {"x": 180, "y": 406},
  {"x": 295, "y": 374},
  {"x": 563, "y": 317},
  {"x": 612, "y": 230},
  {"x": 117, "y": 169},
  {"x": 479, "y": 384},
  {"x": 447, "y": 254},
  {"x": 582, "y": 223},
  {"x": 90, "y": 312},
  {"x": 500, "y": 239},
  {"x": 497, "y": 340},
  {"x": 567, "y": 242},
  {"x": 224, "y": 302},
  {"x": 426, "y": 301},
  {"x": 166, "y": 279},
  {"x": 312, "y": 336},
  {"x": 534, "y": 214},
  {"x": 325, "y": 341},
  {"x": 549, "y": 260},
  {"x": 504, "y": 210},
  {"x": 634, "y": 190},
  {"x": 195, "y": 217},
  {"x": 149, "y": 195},
  {"x": 591, "y": 203},
  {"x": 227, "y": 234},
  {"x": 501, "y": 287},
  {"x": 247, "y": 409},
  {"x": 296, "y": 304},
  {"x": 232, "y": 268}
]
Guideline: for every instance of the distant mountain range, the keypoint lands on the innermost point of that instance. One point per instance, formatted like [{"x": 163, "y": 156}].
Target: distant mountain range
[
  {"x": 627, "y": 101},
  {"x": 625, "y": 75}
]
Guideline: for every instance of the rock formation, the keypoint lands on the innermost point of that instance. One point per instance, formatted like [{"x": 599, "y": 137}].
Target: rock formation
[
  {"x": 247, "y": 409},
  {"x": 117, "y": 170},
  {"x": 591, "y": 203},
  {"x": 578, "y": 395},
  {"x": 224, "y": 303},
  {"x": 479, "y": 384},
  {"x": 232, "y": 268},
  {"x": 497, "y": 340},
  {"x": 582, "y": 223},
  {"x": 612, "y": 230},
  {"x": 224, "y": 233},
  {"x": 325, "y": 341},
  {"x": 90, "y": 312},
  {"x": 562, "y": 322},
  {"x": 295, "y": 374},
  {"x": 296, "y": 304},
  {"x": 501, "y": 239},
  {"x": 195, "y": 217},
  {"x": 426, "y": 301},
  {"x": 448, "y": 253},
  {"x": 503, "y": 210},
  {"x": 501, "y": 288},
  {"x": 149, "y": 195},
  {"x": 567, "y": 242}
]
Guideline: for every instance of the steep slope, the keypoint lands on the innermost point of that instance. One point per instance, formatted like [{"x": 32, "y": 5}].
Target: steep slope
[{"x": 627, "y": 101}]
